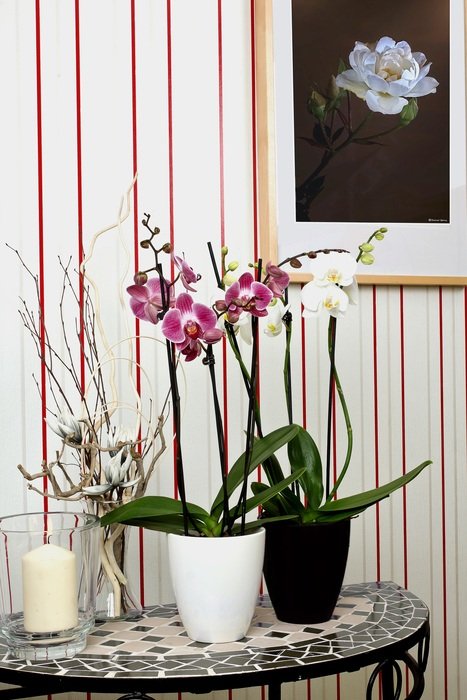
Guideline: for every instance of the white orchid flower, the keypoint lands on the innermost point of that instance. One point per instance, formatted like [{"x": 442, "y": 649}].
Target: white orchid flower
[
  {"x": 271, "y": 324},
  {"x": 273, "y": 321},
  {"x": 316, "y": 298},
  {"x": 333, "y": 268},
  {"x": 352, "y": 292},
  {"x": 65, "y": 426},
  {"x": 387, "y": 76},
  {"x": 243, "y": 326}
]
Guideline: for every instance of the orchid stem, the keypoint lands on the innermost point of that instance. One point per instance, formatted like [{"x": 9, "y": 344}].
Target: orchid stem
[
  {"x": 287, "y": 368},
  {"x": 210, "y": 361},
  {"x": 245, "y": 374},
  {"x": 176, "y": 408},
  {"x": 331, "y": 349},
  {"x": 220, "y": 284},
  {"x": 348, "y": 426},
  {"x": 288, "y": 375},
  {"x": 250, "y": 420},
  {"x": 334, "y": 382}
]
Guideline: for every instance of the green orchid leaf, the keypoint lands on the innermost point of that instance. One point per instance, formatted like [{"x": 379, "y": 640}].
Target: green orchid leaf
[
  {"x": 152, "y": 508},
  {"x": 292, "y": 503},
  {"x": 265, "y": 494},
  {"x": 177, "y": 528},
  {"x": 332, "y": 517},
  {"x": 262, "y": 449},
  {"x": 286, "y": 502},
  {"x": 273, "y": 470},
  {"x": 363, "y": 500},
  {"x": 302, "y": 452},
  {"x": 255, "y": 524},
  {"x": 274, "y": 505}
]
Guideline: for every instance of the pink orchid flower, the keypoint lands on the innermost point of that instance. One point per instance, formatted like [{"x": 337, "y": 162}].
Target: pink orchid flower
[
  {"x": 189, "y": 323},
  {"x": 187, "y": 274},
  {"x": 146, "y": 299},
  {"x": 277, "y": 279},
  {"x": 245, "y": 295}
]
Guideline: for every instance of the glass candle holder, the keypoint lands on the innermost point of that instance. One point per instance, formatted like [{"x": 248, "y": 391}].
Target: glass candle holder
[{"x": 48, "y": 570}]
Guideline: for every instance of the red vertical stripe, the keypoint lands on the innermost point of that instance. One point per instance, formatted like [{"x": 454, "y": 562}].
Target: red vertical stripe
[
  {"x": 403, "y": 434},
  {"x": 443, "y": 494},
  {"x": 376, "y": 422},
  {"x": 170, "y": 119},
  {"x": 221, "y": 122},
  {"x": 254, "y": 171},
  {"x": 136, "y": 249},
  {"x": 171, "y": 188},
  {"x": 253, "y": 133},
  {"x": 135, "y": 187},
  {"x": 220, "y": 75},
  {"x": 79, "y": 193},
  {"x": 40, "y": 227}
]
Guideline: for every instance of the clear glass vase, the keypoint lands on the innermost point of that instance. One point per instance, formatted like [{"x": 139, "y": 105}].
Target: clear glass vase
[
  {"x": 116, "y": 598},
  {"x": 48, "y": 564}
]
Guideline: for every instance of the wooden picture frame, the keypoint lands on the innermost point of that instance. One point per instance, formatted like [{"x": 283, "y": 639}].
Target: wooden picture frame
[{"x": 439, "y": 252}]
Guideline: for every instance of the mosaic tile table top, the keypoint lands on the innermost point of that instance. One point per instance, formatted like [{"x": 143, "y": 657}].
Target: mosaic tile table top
[{"x": 367, "y": 617}]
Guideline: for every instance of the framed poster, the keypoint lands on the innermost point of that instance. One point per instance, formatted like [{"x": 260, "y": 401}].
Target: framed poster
[{"x": 339, "y": 157}]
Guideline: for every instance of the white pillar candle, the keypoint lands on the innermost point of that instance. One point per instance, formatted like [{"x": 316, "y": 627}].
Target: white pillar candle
[{"x": 50, "y": 598}]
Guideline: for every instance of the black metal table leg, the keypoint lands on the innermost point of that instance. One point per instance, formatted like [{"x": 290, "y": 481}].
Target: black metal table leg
[
  {"x": 388, "y": 670},
  {"x": 274, "y": 691},
  {"x": 387, "y": 681}
]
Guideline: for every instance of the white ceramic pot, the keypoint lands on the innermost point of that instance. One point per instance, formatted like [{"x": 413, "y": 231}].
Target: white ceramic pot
[{"x": 216, "y": 581}]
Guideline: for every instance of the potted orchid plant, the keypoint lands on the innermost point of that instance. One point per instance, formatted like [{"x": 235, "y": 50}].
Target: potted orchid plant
[
  {"x": 310, "y": 517},
  {"x": 207, "y": 544}
]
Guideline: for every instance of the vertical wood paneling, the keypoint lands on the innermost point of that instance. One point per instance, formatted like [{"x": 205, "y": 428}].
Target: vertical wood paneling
[{"x": 167, "y": 88}]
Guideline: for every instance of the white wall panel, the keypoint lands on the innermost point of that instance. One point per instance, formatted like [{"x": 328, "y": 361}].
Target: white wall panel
[{"x": 166, "y": 87}]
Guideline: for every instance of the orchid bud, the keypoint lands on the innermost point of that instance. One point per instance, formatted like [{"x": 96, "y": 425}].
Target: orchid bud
[
  {"x": 167, "y": 248},
  {"x": 367, "y": 259},
  {"x": 366, "y": 247},
  {"x": 379, "y": 236},
  {"x": 233, "y": 265},
  {"x": 228, "y": 280},
  {"x": 144, "y": 244},
  {"x": 140, "y": 278},
  {"x": 224, "y": 250},
  {"x": 295, "y": 263},
  {"x": 220, "y": 306}
]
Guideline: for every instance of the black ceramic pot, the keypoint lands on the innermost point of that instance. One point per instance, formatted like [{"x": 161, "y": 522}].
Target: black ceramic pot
[{"x": 304, "y": 567}]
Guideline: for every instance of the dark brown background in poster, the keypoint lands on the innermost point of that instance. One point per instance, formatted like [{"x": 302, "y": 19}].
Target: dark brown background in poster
[{"x": 407, "y": 179}]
